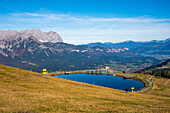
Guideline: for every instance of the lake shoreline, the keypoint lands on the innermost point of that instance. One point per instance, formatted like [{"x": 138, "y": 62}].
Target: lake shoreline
[{"x": 136, "y": 78}]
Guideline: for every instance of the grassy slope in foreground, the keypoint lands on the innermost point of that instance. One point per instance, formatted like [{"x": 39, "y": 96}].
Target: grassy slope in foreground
[{"x": 25, "y": 91}]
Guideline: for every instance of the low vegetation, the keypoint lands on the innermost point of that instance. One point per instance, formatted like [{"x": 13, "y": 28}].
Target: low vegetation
[
  {"x": 26, "y": 91},
  {"x": 161, "y": 70}
]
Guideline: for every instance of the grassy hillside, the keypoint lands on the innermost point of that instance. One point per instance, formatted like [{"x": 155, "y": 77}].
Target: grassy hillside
[{"x": 25, "y": 91}]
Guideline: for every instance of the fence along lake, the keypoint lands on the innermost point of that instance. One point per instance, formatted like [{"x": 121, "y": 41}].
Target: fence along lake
[{"x": 105, "y": 81}]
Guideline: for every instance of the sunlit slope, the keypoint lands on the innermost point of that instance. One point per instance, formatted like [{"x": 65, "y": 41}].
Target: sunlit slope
[{"x": 25, "y": 91}]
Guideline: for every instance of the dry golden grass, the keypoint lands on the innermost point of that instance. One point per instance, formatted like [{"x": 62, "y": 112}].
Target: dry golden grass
[{"x": 25, "y": 91}]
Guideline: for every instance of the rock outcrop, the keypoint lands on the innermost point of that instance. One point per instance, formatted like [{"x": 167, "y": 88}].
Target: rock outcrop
[{"x": 36, "y": 34}]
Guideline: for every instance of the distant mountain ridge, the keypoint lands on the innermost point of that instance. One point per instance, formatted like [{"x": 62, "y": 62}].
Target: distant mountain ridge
[
  {"x": 156, "y": 48},
  {"x": 129, "y": 44},
  {"x": 37, "y": 34},
  {"x": 35, "y": 50}
]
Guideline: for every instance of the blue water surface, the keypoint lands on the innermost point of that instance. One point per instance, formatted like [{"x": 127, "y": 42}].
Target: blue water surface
[{"x": 105, "y": 81}]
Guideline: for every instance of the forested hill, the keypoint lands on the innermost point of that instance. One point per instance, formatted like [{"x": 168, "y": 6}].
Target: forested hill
[{"x": 161, "y": 69}]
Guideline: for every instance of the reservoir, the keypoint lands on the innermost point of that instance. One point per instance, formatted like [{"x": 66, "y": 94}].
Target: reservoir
[{"x": 105, "y": 81}]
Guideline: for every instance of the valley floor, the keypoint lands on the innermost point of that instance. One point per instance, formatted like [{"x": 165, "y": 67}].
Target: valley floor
[{"x": 25, "y": 91}]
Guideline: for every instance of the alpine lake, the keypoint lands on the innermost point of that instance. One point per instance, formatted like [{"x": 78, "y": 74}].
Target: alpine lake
[{"x": 105, "y": 80}]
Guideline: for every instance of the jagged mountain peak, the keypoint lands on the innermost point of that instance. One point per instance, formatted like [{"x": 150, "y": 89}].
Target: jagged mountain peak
[{"x": 41, "y": 36}]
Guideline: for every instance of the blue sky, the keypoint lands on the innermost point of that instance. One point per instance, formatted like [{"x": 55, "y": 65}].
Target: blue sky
[{"x": 85, "y": 21}]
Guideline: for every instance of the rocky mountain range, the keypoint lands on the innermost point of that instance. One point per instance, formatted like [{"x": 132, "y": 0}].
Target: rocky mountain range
[
  {"x": 36, "y": 34},
  {"x": 159, "y": 49},
  {"x": 35, "y": 50},
  {"x": 11, "y": 40}
]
